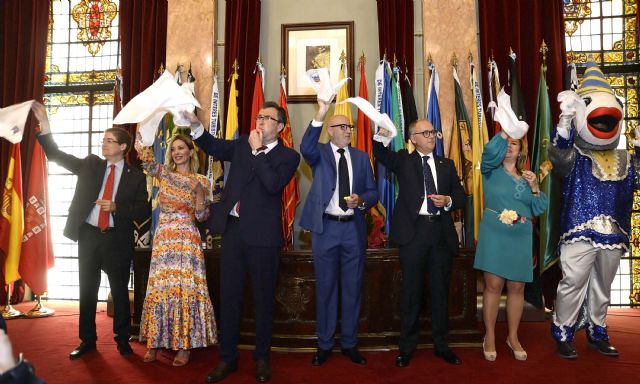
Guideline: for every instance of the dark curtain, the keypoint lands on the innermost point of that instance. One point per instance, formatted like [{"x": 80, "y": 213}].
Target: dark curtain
[
  {"x": 242, "y": 39},
  {"x": 23, "y": 47},
  {"x": 395, "y": 33},
  {"x": 522, "y": 25},
  {"x": 143, "y": 43}
]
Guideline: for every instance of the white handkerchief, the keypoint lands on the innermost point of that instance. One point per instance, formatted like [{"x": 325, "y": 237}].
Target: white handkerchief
[
  {"x": 379, "y": 119},
  {"x": 12, "y": 120},
  {"x": 507, "y": 118},
  {"x": 571, "y": 102},
  {"x": 320, "y": 81},
  {"x": 149, "y": 107}
]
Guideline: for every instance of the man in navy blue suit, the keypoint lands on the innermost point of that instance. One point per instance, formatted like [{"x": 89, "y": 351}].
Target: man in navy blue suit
[
  {"x": 249, "y": 217},
  {"x": 343, "y": 189}
]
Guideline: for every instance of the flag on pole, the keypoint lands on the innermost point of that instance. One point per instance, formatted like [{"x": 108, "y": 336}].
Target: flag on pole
[
  {"x": 396, "y": 107},
  {"x": 494, "y": 90},
  {"x": 37, "y": 249},
  {"x": 385, "y": 179},
  {"x": 479, "y": 137},
  {"x": 460, "y": 138},
  {"x": 433, "y": 108},
  {"x": 215, "y": 171},
  {"x": 12, "y": 218},
  {"x": 517, "y": 100},
  {"x": 541, "y": 165},
  {"x": 363, "y": 143},
  {"x": 231, "y": 129},
  {"x": 343, "y": 94},
  {"x": 408, "y": 106},
  {"x": 291, "y": 195},
  {"x": 258, "y": 94}
]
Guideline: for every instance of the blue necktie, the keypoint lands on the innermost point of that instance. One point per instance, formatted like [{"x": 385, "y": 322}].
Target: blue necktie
[{"x": 429, "y": 184}]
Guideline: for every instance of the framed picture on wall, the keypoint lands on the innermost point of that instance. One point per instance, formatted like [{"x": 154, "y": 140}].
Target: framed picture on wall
[{"x": 315, "y": 45}]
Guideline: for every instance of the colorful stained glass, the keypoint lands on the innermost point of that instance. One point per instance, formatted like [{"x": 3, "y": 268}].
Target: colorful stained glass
[{"x": 94, "y": 18}]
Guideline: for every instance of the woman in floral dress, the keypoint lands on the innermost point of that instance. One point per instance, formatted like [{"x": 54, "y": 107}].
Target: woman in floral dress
[
  {"x": 177, "y": 313},
  {"x": 511, "y": 197}
]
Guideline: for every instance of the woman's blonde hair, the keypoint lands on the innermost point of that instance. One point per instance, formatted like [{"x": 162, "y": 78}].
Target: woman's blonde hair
[
  {"x": 522, "y": 156},
  {"x": 193, "y": 158}
]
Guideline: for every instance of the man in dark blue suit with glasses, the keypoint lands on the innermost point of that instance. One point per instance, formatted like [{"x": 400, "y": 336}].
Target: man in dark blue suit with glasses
[{"x": 343, "y": 189}]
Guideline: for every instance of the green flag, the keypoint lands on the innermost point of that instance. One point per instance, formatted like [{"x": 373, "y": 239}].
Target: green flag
[{"x": 540, "y": 164}]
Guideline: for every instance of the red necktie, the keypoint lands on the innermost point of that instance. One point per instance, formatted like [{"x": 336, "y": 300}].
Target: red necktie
[
  {"x": 238, "y": 208},
  {"x": 103, "y": 218}
]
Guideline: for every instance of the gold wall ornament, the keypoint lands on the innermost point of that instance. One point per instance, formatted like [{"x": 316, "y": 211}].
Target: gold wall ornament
[{"x": 94, "y": 18}]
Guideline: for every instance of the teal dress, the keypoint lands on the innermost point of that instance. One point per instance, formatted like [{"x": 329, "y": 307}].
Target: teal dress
[{"x": 505, "y": 249}]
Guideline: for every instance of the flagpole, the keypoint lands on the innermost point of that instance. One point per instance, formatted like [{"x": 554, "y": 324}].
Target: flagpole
[
  {"x": 9, "y": 312},
  {"x": 39, "y": 310}
]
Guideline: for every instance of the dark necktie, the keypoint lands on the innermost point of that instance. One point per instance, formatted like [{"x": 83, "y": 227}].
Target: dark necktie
[
  {"x": 429, "y": 184},
  {"x": 343, "y": 180},
  {"x": 103, "y": 218}
]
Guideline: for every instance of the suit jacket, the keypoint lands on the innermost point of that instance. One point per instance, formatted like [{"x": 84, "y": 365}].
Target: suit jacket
[
  {"x": 322, "y": 161},
  {"x": 131, "y": 195},
  {"x": 408, "y": 169},
  {"x": 257, "y": 182}
]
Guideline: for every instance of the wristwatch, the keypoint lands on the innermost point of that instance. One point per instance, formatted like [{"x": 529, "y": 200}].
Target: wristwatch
[{"x": 362, "y": 206}]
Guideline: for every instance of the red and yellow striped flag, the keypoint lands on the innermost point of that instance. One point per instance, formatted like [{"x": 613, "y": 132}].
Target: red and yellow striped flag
[
  {"x": 291, "y": 195},
  {"x": 12, "y": 218}
]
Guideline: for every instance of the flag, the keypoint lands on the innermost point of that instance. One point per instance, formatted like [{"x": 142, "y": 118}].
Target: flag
[
  {"x": 396, "y": 108},
  {"x": 343, "y": 94},
  {"x": 460, "y": 152},
  {"x": 231, "y": 129},
  {"x": 494, "y": 90},
  {"x": 408, "y": 106},
  {"x": 363, "y": 124},
  {"x": 541, "y": 165},
  {"x": 363, "y": 143},
  {"x": 291, "y": 195},
  {"x": 517, "y": 100},
  {"x": 12, "y": 218},
  {"x": 479, "y": 137},
  {"x": 385, "y": 179},
  {"x": 215, "y": 172},
  {"x": 433, "y": 108},
  {"x": 258, "y": 94},
  {"x": 37, "y": 249}
]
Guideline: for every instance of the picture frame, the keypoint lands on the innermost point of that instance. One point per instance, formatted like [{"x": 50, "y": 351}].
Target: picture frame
[{"x": 315, "y": 45}]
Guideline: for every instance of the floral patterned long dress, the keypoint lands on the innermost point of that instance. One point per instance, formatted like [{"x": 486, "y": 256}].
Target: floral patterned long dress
[{"x": 177, "y": 312}]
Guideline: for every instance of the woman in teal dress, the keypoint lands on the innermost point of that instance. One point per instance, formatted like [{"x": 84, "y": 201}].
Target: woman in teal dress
[{"x": 511, "y": 197}]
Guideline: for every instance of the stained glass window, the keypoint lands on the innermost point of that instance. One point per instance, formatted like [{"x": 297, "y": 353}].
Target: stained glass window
[
  {"x": 79, "y": 94},
  {"x": 607, "y": 31}
]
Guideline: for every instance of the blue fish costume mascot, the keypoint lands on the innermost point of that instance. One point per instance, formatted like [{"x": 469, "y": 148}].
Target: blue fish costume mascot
[{"x": 597, "y": 193}]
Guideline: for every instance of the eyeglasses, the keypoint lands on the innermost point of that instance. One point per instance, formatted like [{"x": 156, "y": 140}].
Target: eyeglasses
[
  {"x": 108, "y": 141},
  {"x": 344, "y": 127},
  {"x": 426, "y": 133},
  {"x": 265, "y": 118}
]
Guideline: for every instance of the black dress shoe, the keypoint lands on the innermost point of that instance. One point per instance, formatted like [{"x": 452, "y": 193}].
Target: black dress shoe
[
  {"x": 603, "y": 347},
  {"x": 223, "y": 370},
  {"x": 354, "y": 355},
  {"x": 263, "y": 371},
  {"x": 448, "y": 356},
  {"x": 566, "y": 350},
  {"x": 320, "y": 357},
  {"x": 82, "y": 349},
  {"x": 403, "y": 360},
  {"x": 124, "y": 348}
]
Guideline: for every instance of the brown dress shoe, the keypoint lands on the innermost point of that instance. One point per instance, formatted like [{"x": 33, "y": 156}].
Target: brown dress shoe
[
  {"x": 223, "y": 370},
  {"x": 263, "y": 371}
]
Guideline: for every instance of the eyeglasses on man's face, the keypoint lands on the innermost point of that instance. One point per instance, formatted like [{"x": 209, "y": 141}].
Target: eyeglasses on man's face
[
  {"x": 426, "y": 133},
  {"x": 108, "y": 141},
  {"x": 265, "y": 118},
  {"x": 343, "y": 127}
]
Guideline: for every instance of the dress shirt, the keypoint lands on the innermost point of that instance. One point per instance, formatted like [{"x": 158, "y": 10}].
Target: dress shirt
[
  {"x": 95, "y": 211},
  {"x": 431, "y": 162}
]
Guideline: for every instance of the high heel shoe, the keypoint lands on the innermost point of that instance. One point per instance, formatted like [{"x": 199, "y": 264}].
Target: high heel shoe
[
  {"x": 489, "y": 356},
  {"x": 150, "y": 355},
  {"x": 518, "y": 355},
  {"x": 182, "y": 358}
]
